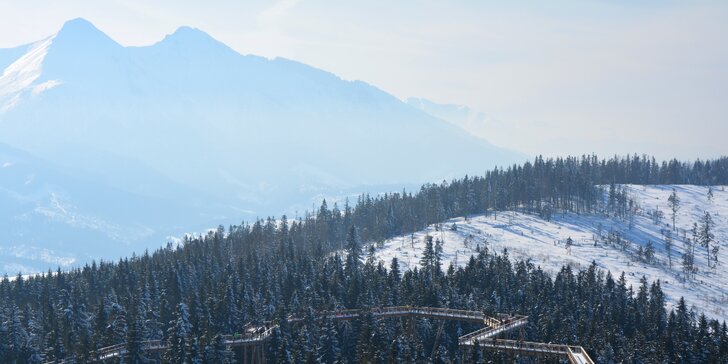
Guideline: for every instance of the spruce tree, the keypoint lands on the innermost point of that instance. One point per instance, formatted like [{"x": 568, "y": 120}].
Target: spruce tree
[
  {"x": 353, "y": 252},
  {"x": 179, "y": 336},
  {"x": 673, "y": 201},
  {"x": 706, "y": 235}
]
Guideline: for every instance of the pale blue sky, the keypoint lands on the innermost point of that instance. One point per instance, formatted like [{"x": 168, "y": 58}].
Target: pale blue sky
[{"x": 554, "y": 77}]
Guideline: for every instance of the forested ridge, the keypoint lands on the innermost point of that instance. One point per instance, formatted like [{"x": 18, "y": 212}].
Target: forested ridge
[{"x": 214, "y": 284}]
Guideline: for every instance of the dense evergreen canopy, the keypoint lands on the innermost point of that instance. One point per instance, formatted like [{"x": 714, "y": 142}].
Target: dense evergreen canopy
[{"x": 214, "y": 284}]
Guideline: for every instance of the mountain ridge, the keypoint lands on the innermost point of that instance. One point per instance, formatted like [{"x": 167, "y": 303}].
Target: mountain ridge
[{"x": 188, "y": 119}]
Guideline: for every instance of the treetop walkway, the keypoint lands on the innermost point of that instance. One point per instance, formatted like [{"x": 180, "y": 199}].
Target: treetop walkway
[{"x": 485, "y": 338}]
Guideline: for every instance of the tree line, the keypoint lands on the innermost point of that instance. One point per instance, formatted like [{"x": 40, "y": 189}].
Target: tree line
[{"x": 214, "y": 284}]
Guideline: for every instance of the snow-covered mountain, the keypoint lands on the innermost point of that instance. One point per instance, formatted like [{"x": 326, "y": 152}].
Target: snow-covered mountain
[
  {"x": 244, "y": 124},
  {"x": 529, "y": 237},
  {"x": 190, "y": 120}
]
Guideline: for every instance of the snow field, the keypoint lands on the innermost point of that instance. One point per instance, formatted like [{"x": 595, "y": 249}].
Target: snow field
[{"x": 530, "y": 237}]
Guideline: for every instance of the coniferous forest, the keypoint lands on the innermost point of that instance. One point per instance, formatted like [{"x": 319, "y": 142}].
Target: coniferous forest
[{"x": 214, "y": 284}]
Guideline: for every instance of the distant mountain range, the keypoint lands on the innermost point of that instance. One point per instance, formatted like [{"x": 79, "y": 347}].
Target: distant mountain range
[{"x": 136, "y": 143}]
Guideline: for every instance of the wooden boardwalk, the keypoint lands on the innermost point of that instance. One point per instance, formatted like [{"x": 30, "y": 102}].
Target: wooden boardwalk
[
  {"x": 254, "y": 337},
  {"x": 575, "y": 354}
]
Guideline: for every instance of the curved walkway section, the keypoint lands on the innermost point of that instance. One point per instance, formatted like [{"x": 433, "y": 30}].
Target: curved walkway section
[{"x": 486, "y": 338}]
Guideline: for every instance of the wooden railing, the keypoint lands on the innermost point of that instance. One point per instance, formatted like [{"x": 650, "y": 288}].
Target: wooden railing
[
  {"x": 491, "y": 322},
  {"x": 251, "y": 337},
  {"x": 575, "y": 354},
  {"x": 397, "y": 311},
  {"x": 489, "y": 332},
  {"x": 485, "y": 338},
  {"x": 120, "y": 349}
]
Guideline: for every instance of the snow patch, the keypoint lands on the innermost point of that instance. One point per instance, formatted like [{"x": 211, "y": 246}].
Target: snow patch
[
  {"x": 20, "y": 75},
  {"x": 529, "y": 237},
  {"x": 45, "y": 86},
  {"x": 36, "y": 253},
  {"x": 59, "y": 208}
]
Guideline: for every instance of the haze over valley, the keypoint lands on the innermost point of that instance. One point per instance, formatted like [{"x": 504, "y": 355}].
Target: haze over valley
[{"x": 185, "y": 133}]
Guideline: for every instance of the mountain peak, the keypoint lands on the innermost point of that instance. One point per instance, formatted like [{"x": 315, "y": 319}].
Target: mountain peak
[
  {"x": 185, "y": 29},
  {"x": 189, "y": 34},
  {"x": 187, "y": 39},
  {"x": 78, "y": 25},
  {"x": 80, "y": 31}
]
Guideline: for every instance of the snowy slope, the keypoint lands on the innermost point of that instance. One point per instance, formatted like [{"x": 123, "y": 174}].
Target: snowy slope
[
  {"x": 530, "y": 237},
  {"x": 19, "y": 77}
]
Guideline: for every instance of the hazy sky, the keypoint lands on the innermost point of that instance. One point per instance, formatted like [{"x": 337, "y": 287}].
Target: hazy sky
[{"x": 555, "y": 77}]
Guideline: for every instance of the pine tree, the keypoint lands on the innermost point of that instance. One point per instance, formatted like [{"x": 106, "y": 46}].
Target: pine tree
[
  {"x": 688, "y": 264},
  {"x": 438, "y": 256},
  {"x": 366, "y": 351},
  {"x": 695, "y": 231},
  {"x": 55, "y": 348},
  {"x": 714, "y": 251},
  {"x": 328, "y": 350},
  {"x": 569, "y": 242},
  {"x": 35, "y": 336},
  {"x": 218, "y": 351},
  {"x": 640, "y": 254},
  {"x": 706, "y": 235},
  {"x": 674, "y": 203},
  {"x": 118, "y": 327},
  {"x": 283, "y": 353},
  {"x": 135, "y": 336},
  {"x": 353, "y": 252},
  {"x": 16, "y": 338},
  {"x": 394, "y": 279},
  {"x": 180, "y": 337},
  {"x": 76, "y": 324},
  {"x": 650, "y": 252},
  {"x": 428, "y": 255},
  {"x": 667, "y": 237}
]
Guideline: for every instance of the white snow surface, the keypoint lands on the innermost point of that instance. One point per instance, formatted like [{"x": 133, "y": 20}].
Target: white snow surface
[
  {"x": 529, "y": 237},
  {"x": 19, "y": 77}
]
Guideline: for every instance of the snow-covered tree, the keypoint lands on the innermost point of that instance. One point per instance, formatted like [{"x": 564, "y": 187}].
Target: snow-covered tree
[
  {"x": 706, "y": 235},
  {"x": 650, "y": 252},
  {"x": 569, "y": 243},
  {"x": 217, "y": 351},
  {"x": 688, "y": 264},
  {"x": 667, "y": 238},
  {"x": 353, "y": 251},
  {"x": 674, "y": 203},
  {"x": 180, "y": 337}
]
